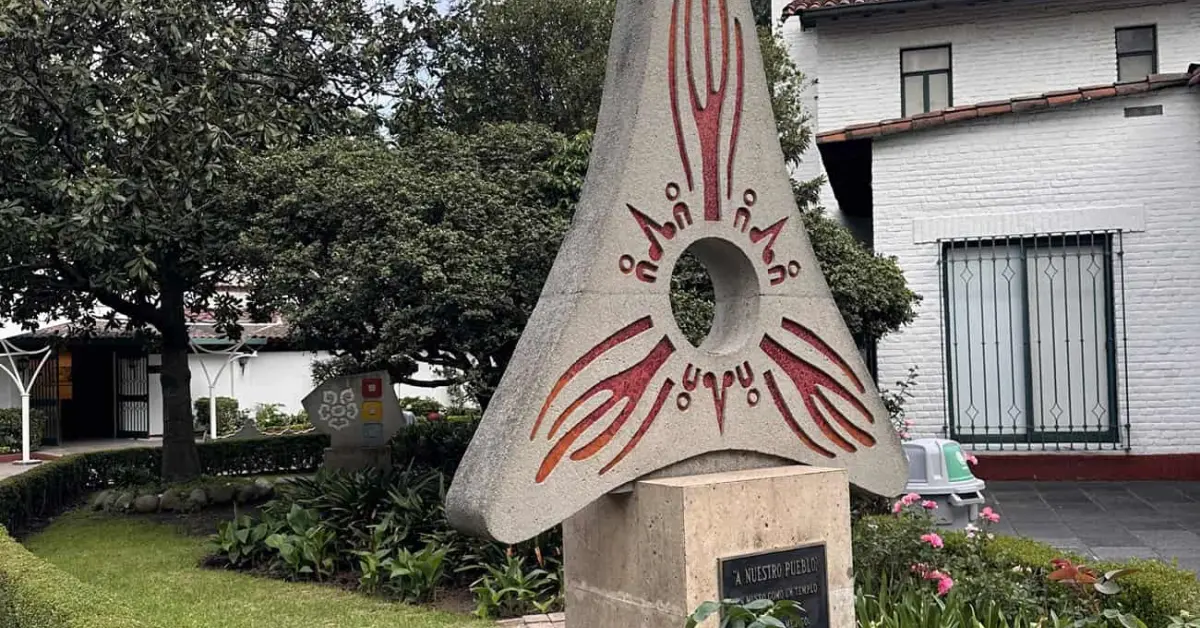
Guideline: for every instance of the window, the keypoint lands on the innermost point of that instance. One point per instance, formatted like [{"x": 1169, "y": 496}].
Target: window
[
  {"x": 1137, "y": 52},
  {"x": 1030, "y": 340},
  {"x": 925, "y": 80}
]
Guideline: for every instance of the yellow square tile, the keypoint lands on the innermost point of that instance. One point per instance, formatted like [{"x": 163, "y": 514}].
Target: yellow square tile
[{"x": 372, "y": 412}]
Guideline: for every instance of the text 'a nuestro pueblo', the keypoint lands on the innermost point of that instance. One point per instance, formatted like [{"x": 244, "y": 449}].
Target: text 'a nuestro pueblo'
[{"x": 775, "y": 571}]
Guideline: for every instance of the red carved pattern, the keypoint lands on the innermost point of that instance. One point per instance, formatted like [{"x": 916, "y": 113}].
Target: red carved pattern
[
  {"x": 708, "y": 102},
  {"x": 624, "y": 391},
  {"x": 815, "y": 386},
  {"x": 626, "y": 333},
  {"x": 620, "y": 395},
  {"x": 718, "y": 385}
]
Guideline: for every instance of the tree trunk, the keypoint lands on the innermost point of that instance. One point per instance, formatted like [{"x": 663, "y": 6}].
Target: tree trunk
[{"x": 181, "y": 461}]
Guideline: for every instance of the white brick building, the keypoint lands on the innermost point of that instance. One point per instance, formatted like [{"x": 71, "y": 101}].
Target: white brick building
[{"x": 1042, "y": 193}]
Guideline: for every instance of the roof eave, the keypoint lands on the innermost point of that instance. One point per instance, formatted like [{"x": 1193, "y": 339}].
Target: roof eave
[{"x": 808, "y": 17}]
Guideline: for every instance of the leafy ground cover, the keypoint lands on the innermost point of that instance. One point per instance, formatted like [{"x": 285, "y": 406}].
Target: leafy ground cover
[{"x": 154, "y": 571}]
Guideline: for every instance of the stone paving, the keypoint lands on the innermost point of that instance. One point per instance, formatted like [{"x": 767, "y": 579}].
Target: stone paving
[
  {"x": 553, "y": 620},
  {"x": 1105, "y": 520}
]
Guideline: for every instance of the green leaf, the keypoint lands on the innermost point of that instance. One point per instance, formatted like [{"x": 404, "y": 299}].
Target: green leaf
[
  {"x": 702, "y": 612},
  {"x": 758, "y": 605}
]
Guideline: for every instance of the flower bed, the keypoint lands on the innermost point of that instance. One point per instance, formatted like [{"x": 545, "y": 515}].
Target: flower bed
[
  {"x": 387, "y": 534},
  {"x": 903, "y": 563}
]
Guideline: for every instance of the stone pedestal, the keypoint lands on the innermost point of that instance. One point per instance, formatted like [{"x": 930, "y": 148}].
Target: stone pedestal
[{"x": 646, "y": 559}]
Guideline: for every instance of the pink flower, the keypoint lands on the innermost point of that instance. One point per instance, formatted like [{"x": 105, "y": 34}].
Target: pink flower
[
  {"x": 945, "y": 583},
  {"x": 990, "y": 515},
  {"x": 920, "y": 569},
  {"x": 971, "y": 459},
  {"x": 910, "y": 499},
  {"x": 908, "y": 423},
  {"x": 904, "y": 435},
  {"x": 929, "y": 505},
  {"x": 971, "y": 530},
  {"x": 934, "y": 540},
  {"x": 897, "y": 507}
]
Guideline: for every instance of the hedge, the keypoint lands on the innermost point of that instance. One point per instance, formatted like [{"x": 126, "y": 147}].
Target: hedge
[
  {"x": 50, "y": 488},
  {"x": 434, "y": 444},
  {"x": 36, "y": 594},
  {"x": 1154, "y": 593},
  {"x": 10, "y": 430}
]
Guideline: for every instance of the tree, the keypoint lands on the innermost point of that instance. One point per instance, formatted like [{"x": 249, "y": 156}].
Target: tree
[
  {"x": 118, "y": 122},
  {"x": 544, "y": 61},
  {"x": 414, "y": 252},
  {"x": 433, "y": 251},
  {"x": 437, "y": 251}
]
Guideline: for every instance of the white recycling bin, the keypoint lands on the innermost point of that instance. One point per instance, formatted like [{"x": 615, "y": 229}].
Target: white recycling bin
[{"x": 938, "y": 471}]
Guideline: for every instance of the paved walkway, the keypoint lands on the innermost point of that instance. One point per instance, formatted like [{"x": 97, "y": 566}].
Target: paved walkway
[
  {"x": 553, "y": 620},
  {"x": 1105, "y": 520}
]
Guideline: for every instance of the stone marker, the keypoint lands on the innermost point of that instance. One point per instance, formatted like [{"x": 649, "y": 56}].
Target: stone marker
[
  {"x": 604, "y": 393},
  {"x": 361, "y": 414}
]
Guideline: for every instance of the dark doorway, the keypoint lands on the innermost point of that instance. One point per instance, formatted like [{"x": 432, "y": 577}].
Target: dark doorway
[{"x": 89, "y": 413}]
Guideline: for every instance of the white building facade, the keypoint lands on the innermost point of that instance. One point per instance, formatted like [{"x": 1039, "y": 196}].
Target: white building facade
[
  {"x": 109, "y": 386},
  {"x": 1035, "y": 169}
]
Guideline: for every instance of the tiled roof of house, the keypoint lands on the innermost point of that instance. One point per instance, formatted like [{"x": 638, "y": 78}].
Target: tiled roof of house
[
  {"x": 799, "y": 6},
  {"x": 1014, "y": 105},
  {"x": 196, "y": 331}
]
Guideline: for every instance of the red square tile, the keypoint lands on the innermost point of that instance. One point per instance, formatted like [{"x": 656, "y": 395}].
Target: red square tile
[{"x": 372, "y": 388}]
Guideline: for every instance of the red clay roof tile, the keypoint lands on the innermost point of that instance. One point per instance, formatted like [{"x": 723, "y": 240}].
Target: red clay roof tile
[
  {"x": 1059, "y": 98},
  {"x": 798, "y": 6}
]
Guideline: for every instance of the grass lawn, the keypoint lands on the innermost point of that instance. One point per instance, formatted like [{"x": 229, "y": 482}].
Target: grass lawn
[{"x": 154, "y": 569}]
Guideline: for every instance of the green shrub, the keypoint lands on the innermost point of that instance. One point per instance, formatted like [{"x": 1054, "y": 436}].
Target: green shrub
[
  {"x": 52, "y": 487},
  {"x": 1008, "y": 576},
  {"x": 229, "y": 417},
  {"x": 389, "y": 531},
  {"x": 434, "y": 444},
  {"x": 269, "y": 418},
  {"x": 1154, "y": 593},
  {"x": 36, "y": 594},
  {"x": 421, "y": 406},
  {"x": 511, "y": 589},
  {"x": 10, "y": 430}
]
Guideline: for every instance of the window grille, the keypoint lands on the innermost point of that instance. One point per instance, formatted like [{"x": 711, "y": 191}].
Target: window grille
[{"x": 1033, "y": 335}]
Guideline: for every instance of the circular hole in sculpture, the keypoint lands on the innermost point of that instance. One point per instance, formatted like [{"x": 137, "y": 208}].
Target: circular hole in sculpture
[{"x": 714, "y": 295}]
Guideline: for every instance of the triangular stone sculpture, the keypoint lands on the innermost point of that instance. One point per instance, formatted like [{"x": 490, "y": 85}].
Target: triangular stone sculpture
[{"x": 603, "y": 388}]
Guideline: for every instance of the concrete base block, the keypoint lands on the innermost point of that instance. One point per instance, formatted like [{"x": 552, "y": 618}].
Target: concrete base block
[{"x": 647, "y": 559}]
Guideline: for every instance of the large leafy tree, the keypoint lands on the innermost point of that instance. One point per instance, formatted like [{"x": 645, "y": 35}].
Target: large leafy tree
[
  {"x": 118, "y": 122},
  {"x": 544, "y": 61},
  {"x": 434, "y": 251}
]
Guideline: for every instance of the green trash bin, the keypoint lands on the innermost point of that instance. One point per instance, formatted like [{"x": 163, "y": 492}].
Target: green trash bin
[{"x": 938, "y": 472}]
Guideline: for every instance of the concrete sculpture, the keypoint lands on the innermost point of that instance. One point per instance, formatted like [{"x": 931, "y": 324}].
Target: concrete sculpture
[{"x": 604, "y": 388}]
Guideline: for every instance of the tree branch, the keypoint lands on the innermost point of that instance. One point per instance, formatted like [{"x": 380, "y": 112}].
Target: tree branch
[
  {"x": 432, "y": 383},
  {"x": 136, "y": 311}
]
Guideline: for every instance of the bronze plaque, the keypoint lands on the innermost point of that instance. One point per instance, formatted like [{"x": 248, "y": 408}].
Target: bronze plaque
[{"x": 797, "y": 574}]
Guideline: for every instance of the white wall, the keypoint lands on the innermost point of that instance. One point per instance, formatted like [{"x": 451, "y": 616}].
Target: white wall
[
  {"x": 281, "y": 377},
  {"x": 1000, "y": 50},
  {"x": 1083, "y": 167}
]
